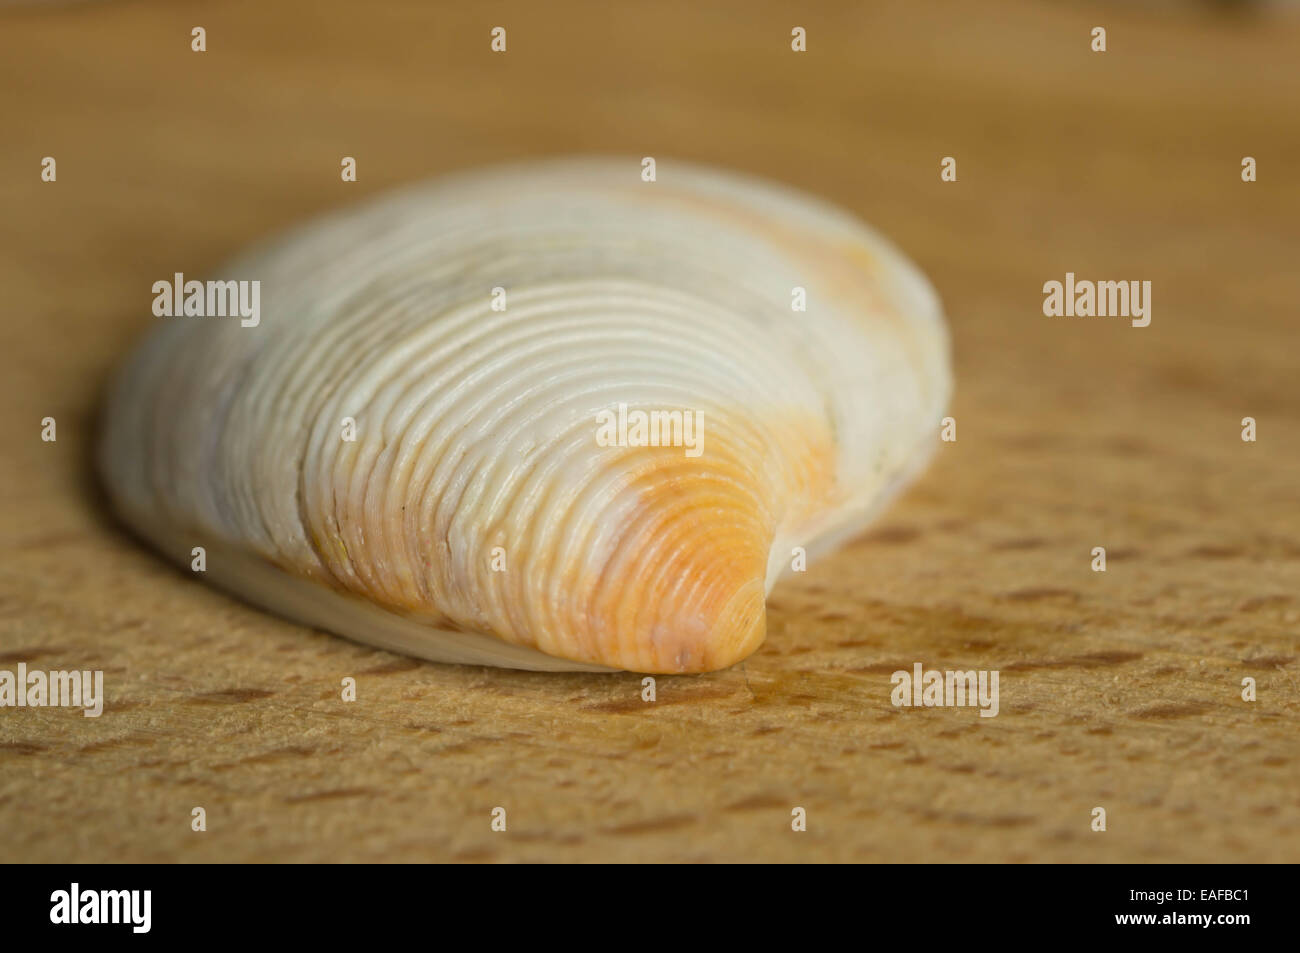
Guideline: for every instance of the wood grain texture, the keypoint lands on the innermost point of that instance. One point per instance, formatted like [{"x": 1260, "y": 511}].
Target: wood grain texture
[{"x": 1119, "y": 690}]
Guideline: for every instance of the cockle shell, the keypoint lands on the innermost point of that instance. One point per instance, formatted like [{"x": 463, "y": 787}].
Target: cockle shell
[{"x": 475, "y": 516}]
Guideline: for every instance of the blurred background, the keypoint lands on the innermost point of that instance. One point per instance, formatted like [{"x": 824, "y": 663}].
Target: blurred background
[{"x": 1072, "y": 432}]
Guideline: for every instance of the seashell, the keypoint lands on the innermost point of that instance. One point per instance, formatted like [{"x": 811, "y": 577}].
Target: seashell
[{"x": 477, "y": 516}]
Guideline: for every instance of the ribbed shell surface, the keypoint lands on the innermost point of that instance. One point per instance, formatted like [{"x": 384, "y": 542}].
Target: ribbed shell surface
[{"x": 476, "y": 516}]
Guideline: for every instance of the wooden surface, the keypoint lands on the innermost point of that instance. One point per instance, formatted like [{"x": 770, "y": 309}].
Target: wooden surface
[{"x": 1120, "y": 690}]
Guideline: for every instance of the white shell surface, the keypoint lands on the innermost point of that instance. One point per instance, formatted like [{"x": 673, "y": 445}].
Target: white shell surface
[{"x": 475, "y": 517}]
